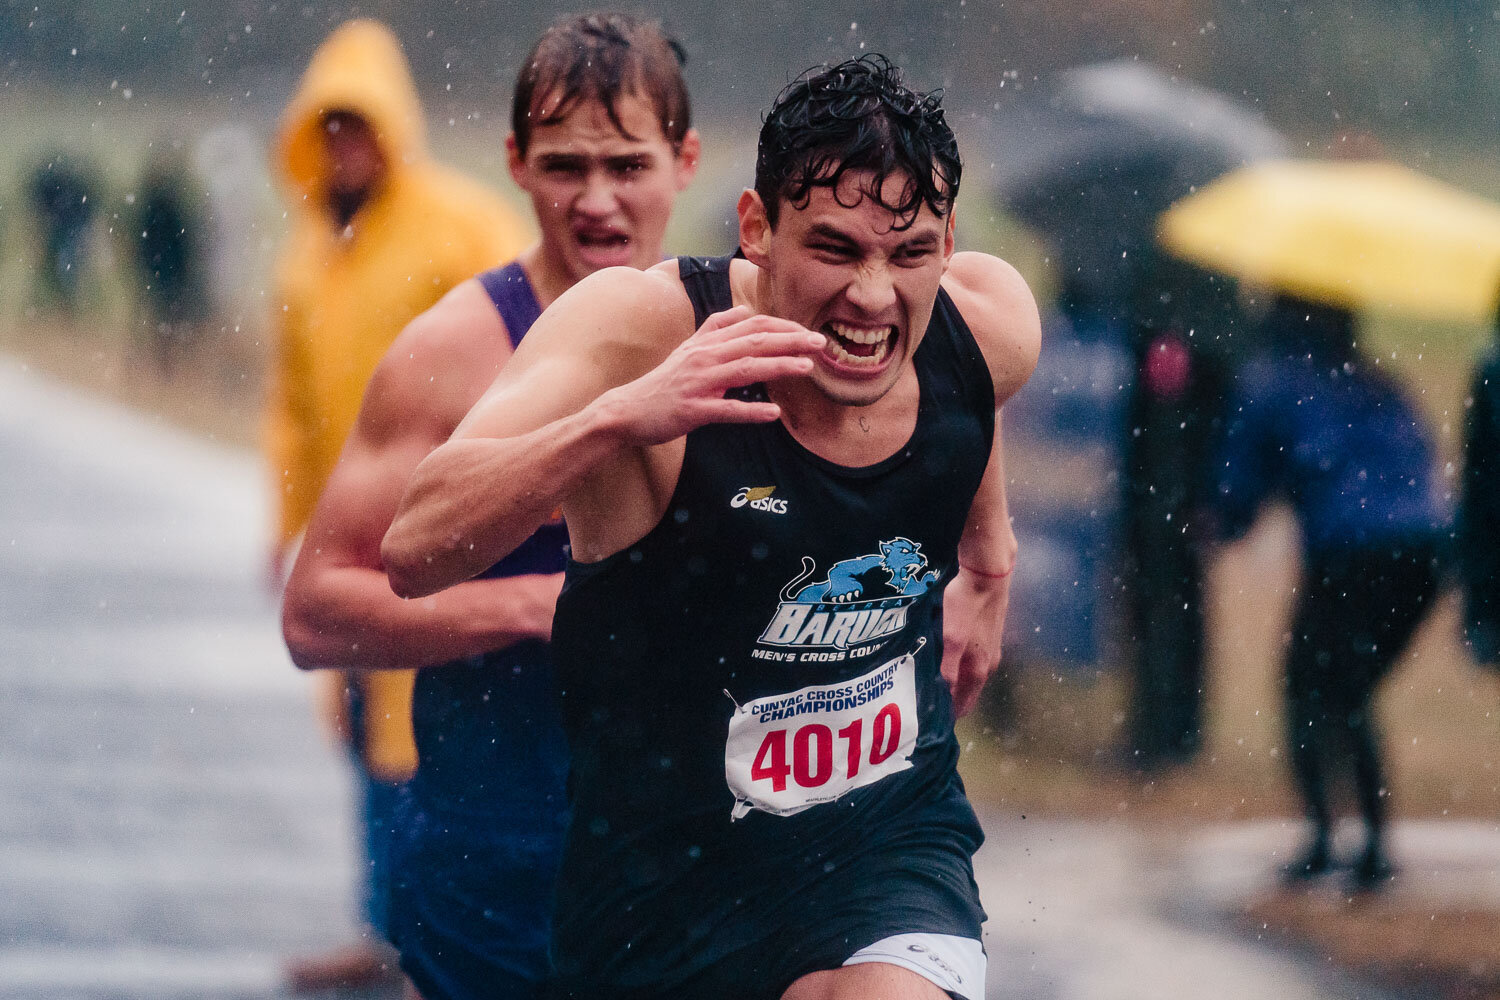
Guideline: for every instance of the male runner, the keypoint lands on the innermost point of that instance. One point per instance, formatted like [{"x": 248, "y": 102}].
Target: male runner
[
  {"x": 601, "y": 142},
  {"x": 777, "y": 523}
]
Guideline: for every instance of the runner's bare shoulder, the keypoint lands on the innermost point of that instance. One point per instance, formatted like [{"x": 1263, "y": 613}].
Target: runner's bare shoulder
[
  {"x": 608, "y": 329},
  {"x": 620, "y": 320},
  {"x": 437, "y": 367},
  {"x": 999, "y": 309}
]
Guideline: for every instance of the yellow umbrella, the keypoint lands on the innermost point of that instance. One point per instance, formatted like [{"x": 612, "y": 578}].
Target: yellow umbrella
[{"x": 1359, "y": 234}]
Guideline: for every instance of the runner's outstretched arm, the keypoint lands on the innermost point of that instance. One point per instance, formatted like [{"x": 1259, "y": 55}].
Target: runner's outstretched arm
[
  {"x": 609, "y": 371},
  {"x": 1001, "y": 313},
  {"x": 339, "y": 610}
]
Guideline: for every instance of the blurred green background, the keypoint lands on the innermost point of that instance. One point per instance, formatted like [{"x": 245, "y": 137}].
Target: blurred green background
[{"x": 111, "y": 83}]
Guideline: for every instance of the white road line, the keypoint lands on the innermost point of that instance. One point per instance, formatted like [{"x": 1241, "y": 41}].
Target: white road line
[
  {"x": 128, "y": 449},
  {"x": 135, "y": 971},
  {"x": 200, "y": 657},
  {"x": 115, "y": 872}
]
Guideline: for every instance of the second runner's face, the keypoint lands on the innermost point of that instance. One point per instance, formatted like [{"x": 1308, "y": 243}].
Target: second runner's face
[
  {"x": 602, "y": 199},
  {"x": 847, "y": 273}
]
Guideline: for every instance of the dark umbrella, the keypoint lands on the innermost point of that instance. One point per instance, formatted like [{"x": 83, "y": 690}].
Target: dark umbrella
[{"x": 1093, "y": 161}]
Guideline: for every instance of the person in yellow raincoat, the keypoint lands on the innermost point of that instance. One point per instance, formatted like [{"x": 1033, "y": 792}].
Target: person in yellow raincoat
[{"x": 379, "y": 232}]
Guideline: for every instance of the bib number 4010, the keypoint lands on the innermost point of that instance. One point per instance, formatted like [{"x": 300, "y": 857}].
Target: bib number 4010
[
  {"x": 813, "y": 747},
  {"x": 788, "y": 752}
]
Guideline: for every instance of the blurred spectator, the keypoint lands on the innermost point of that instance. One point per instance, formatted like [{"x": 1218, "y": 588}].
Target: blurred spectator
[
  {"x": 380, "y": 232},
  {"x": 1063, "y": 436},
  {"x": 167, "y": 243},
  {"x": 228, "y": 164},
  {"x": 64, "y": 196},
  {"x": 1318, "y": 421},
  {"x": 1479, "y": 512}
]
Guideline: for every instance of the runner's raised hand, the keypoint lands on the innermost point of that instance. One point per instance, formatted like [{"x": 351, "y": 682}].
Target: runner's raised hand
[{"x": 687, "y": 390}]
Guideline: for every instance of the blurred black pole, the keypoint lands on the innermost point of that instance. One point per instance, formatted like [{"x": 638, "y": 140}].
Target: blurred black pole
[
  {"x": 1164, "y": 572},
  {"x": 1183, "y": 326}
]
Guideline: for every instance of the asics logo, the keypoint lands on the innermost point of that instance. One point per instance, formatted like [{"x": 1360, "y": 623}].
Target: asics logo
[
  {"x": 759, "y": 498},
  {"x": 932, "y": 957}
]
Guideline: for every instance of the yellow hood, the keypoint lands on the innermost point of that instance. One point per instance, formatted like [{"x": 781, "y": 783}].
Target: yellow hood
[{"x": 359, "y": 68}]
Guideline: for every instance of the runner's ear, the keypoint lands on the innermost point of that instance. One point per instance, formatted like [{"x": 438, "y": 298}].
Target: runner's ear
[
  {"x": 755, "y": 228},
  {"x": 515, "y": 161},
  {"x": 688, "y": 152}
]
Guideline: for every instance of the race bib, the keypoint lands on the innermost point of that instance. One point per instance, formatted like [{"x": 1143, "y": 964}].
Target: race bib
[{"x": 788, "y": 752}]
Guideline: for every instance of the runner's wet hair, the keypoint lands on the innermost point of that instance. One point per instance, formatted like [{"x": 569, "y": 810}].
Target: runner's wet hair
[
  {"x": 602, "y": 56},
  {"x": 858, "y": 116}
]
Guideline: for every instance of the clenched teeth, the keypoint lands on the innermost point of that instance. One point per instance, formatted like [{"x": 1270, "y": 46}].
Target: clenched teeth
[
  {"x": 860, "y": 336},
  {"x": 873, "y": 344},
  {"x": 855, "y": 360}
]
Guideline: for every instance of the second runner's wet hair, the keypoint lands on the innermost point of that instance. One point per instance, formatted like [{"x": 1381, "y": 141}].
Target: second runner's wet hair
[
  {"x": 602, "y": 56},
  {"x": 858, "y": 116}
]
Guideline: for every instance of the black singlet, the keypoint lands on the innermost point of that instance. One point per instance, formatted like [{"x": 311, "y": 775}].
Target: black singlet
[{"x": 780, "y": 629}]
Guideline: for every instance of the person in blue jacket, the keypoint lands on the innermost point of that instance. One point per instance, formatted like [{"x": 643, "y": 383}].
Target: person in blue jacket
[{"x": 1318, "y": 421}]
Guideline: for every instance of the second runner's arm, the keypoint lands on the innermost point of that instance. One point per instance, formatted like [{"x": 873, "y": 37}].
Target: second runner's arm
[{"x": 339, "y": 610}]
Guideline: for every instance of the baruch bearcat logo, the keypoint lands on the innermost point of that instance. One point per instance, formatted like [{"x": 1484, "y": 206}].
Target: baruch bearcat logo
[{"x": 861, "y": 599}]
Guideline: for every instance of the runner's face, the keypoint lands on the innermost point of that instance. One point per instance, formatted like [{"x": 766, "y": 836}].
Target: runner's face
[
  {"x": 847, "y": 273},
  {"x": 603, "y": 199}
]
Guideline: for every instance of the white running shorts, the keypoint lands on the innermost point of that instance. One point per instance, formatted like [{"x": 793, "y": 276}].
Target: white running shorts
[{"x": 953, "y": 963}]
